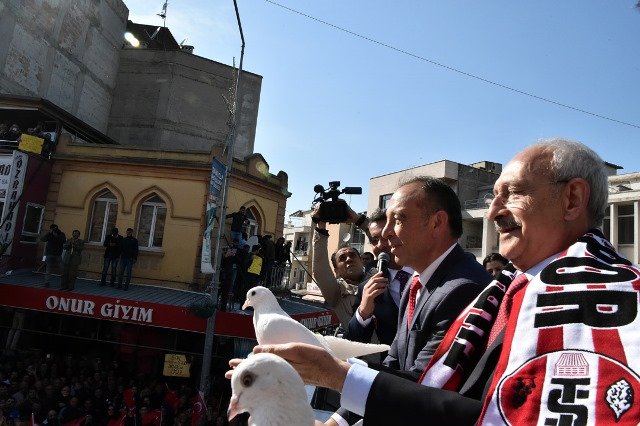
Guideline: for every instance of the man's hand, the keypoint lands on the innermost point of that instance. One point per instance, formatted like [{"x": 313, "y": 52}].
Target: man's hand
[
  {"x": 376, "y": 285},
  {"x": 233, "y": 363},
  {"x": 315, "y": 365},
  {"x": 315, "y": 217},
  {"x": 352, "y": 216}
]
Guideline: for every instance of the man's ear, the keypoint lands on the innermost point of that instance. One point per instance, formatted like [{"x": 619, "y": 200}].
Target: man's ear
[
  {"x": 576, "y": 196},
  {"x": 440, "y": 219}
]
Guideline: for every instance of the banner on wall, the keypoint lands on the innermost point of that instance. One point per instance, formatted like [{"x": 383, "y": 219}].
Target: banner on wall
[
  {"x": 10, "y": 209},
  {"x": 218, "y": 171}
]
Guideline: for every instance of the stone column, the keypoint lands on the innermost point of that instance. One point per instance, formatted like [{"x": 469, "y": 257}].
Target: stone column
[
  {"x": 488, "y": 236},
  {"x": 613, "y": 224}
]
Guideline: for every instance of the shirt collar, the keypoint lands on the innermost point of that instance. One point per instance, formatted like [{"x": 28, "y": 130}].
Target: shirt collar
[
  {"x": 393, "y": 272},
  {"x": 536, "y": 269},
  {"x": 426, "y": 275}
]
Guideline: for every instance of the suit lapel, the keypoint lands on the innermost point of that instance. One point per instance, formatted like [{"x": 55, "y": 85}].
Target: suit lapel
[
  {"x": 402, "y": 329},
  {"x": 436, "y": 279}
]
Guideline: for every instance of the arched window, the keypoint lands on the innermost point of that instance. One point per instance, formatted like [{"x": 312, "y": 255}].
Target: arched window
[
  {"x": 153, "y": 214},
  {"x": 103, "y": 216}
]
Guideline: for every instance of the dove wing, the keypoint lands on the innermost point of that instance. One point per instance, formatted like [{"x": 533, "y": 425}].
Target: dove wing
[
  {"x": 343, "y": 348},
  {"x": 274, "y": 329}
]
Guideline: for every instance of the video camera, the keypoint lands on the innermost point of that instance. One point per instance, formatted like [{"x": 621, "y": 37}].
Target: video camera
[{"x": 333, "y": 209}]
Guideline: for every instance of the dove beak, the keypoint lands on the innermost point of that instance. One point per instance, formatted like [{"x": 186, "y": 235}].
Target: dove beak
[
  {"x": 246, "y": 304},
  {"x": 234, "y": 407}
]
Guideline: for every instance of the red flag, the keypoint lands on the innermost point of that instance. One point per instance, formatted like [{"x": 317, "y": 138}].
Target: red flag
[
  {"x": 198, "y": 409},
  {"x": 76, "y": 422},
  {"x": 171, "y": 399},
  {"x": 152, "y": 418},
  {"x": 129, "y": 398}
]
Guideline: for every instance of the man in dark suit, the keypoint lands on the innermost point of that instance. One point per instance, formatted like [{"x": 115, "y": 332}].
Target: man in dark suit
[
  {"x": 377, "y": 301},
  {"x": 547, "y": 200},
  {"x": 452, "y": 277}
]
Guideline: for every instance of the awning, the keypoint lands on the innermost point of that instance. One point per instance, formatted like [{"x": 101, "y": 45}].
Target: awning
[{"x": 142, "y": 305}]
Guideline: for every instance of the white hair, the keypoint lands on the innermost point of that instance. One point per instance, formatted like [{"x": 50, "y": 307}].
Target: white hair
[{"x": 575, "y": 160}]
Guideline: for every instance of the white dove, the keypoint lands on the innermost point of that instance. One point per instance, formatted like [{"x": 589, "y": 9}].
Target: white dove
[
  {"x": 273, "y": 326},
  {"x": 267, "y": 387}
]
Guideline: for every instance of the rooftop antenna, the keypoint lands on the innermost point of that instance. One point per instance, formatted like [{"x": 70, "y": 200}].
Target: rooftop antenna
[
  {"x": 183, "y": 42},
  {"x": 163, "y": 14},
  {"x": 155, "y": 33}
]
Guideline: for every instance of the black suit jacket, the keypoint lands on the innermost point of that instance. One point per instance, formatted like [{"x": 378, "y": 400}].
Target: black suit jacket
[
  {"x": 394, "y": 400},
  {"x": 385, "y": 323},
  {"x": 453, "y": 285}
]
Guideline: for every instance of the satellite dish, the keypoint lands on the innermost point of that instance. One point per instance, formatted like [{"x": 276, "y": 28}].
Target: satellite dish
[{"x": 346, "y": 238}]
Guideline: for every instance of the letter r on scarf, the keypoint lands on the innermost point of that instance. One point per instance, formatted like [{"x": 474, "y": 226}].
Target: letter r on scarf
[{"x": 594, "y": 308}]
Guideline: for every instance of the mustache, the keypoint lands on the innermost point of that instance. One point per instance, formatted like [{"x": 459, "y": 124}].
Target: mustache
[{"x": 502, "y": 222}]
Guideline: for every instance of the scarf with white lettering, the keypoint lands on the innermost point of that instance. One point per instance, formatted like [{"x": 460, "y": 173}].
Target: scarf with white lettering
[{"x": 571, "y": 351}]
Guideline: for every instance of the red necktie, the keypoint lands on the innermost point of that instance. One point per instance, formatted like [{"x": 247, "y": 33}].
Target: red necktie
[
  {"x": 505, "y": 307},
  {"x": 413, "y": 292}
]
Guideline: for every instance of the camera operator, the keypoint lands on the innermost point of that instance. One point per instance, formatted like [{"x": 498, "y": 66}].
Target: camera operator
[{"x": 339, "y": 289}]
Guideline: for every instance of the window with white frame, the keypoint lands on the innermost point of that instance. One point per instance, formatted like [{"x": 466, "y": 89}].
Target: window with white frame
[
  {"x": 32, "y": 223},
  {"x": 153, "y": 214},
  {"x": 384, "y": 200},
  {"x": 625, "y": 224},
  {"x": 103, "y": 216}
]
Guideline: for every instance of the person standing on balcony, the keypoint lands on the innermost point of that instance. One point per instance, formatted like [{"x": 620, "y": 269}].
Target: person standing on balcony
[
  {"x": 71, "y": 260},
  {"x": 128, "y": 257},
  {"x": 55, "y": 239},
  {"x": 113, "y": 244}
]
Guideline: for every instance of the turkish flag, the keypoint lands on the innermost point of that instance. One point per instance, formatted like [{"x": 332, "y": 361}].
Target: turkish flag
[
  {"x": 171, "y": 399},
  {"x": 198, "y": 409}
]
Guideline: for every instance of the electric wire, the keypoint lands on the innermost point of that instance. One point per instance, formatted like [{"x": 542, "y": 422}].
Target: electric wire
[{"x": 456, "y": 70}]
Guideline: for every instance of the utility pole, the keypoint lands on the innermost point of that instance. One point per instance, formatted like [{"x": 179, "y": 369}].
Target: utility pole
[{"x": 205, "y": 381}]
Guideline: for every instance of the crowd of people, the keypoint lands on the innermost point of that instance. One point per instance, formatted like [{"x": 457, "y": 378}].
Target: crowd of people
[
  {"x": 531, "y": 336},
  {"x": 244, "y": 267},
  {"x": 62, "y": 389}
]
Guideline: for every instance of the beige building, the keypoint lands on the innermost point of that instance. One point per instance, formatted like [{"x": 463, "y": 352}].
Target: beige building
[{"x": 161, "y": 195}]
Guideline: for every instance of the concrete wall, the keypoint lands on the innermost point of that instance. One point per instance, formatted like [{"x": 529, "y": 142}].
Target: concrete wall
[
  {"x": 174, "y": 100},
  {"x": 66, "y": 52},
  {"x": 472, "y": 182},
  {"x": 387, "y": 184}
]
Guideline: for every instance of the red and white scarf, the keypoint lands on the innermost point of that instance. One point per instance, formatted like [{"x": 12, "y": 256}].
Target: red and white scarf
[{"x": 571, "y": 351}]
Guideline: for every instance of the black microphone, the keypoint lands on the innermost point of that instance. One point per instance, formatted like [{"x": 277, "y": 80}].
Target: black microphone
[{"x": 383, "y": 266}]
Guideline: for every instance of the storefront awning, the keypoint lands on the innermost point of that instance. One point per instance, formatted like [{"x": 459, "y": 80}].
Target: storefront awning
[{"x": 141, "y": 305}]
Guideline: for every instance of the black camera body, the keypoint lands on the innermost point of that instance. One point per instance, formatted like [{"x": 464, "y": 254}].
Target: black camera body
[{"x": 331, "y": 208}]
